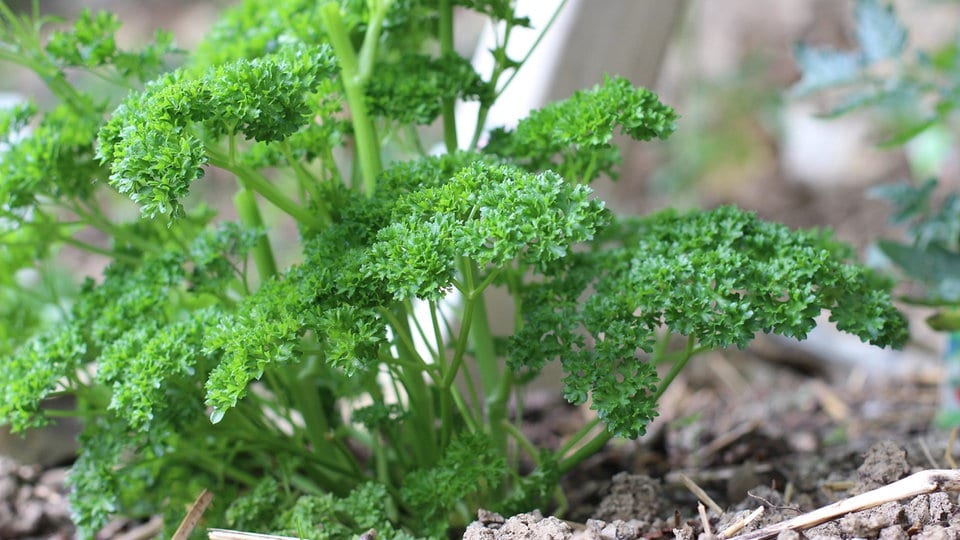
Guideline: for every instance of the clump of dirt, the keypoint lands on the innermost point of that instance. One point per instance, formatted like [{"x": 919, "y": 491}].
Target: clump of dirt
[
  {"x": 632, "y": 496},
  {"x": 528, "y": 526},
  {"x": 884, "y": 463}
]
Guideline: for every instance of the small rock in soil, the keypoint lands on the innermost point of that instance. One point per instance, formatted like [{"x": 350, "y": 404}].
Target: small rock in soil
[{"x": 885, "y": 463}]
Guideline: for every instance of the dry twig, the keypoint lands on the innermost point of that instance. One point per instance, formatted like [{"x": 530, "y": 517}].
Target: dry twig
[
  {"x": 927, "y": 453},
  {"x": 150, "y": 529},
  {"x": 704, "y": 520},
  {"x": 701, "y": 494},
  {"x": 193, "y": 516},
  {"x": 948, "y": 453},
  {"x": 729, "y": 438},
  {"x": 921, "y": 483},
  {"x": 225, "y": 534},
  {"x": 741, "y": 523}
]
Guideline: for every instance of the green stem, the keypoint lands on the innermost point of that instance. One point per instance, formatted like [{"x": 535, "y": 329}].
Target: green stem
[
  {"x": 501, "y": 67},
  {"x": 308, "y": 181},
  {"x": 368, "y": 50},
  {"x": 688, "y": 353},
  {"x": 461, "y": 346},
  {"x": 527, "y": 446},
  {"x": 406, "y": 347},
  {"x": 252, "y": 179},
  {"x": 305, "y": 394},
  {"x": 497, "y": 385},
  {"x": 94, "y": 217},
  {"x": 250, "y": 216},
  {"x": 445, "y": 9},
  {"x": 71, "y": 241},
  {"x": 365, "y": 136},
  {"x": 536, "y": 43},
  {"x": 418, "y": 392},
  {"x": 592, "y": 446}
]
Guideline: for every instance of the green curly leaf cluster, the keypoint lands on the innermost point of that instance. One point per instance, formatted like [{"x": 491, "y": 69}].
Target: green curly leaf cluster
[
  {"x": 34, "y": 372},
  {"x": 316, "y": 140},
  {"x": 470, "y": 465},
  {"x": 257, "y": 28},
  {"x": 54, "y": 158},
  {"x": 717, "y": 277},
  {"x": 491, "y": 214},
  {"x": 91, "y": 43},
  {"x": 326, "y": 517},
  {"x": 574, "y": 136},
  {"x": 412, "y": 89},
  {"x": 155, "y": 142},
  {"x": 264, "y": 331}
]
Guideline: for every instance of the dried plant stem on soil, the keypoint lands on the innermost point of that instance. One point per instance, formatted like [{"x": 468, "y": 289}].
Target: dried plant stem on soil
[
  {"x": 196, "y": 511},
  {"x": 701, "y": 494},
  {"x": 921, "y": 483},
  {"x": 224, "y": 534},
  {"x": 741, "y": 523}
]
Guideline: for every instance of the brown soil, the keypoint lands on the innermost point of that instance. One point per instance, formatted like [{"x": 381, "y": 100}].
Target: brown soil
[{"x": 768, "y": 436}]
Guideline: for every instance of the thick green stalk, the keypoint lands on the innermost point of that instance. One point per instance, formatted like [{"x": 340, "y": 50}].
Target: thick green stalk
[
  {"x": 497, "y": 385},
  {"x": 445, "y": 9},
  {"x": 250, "y": 216},
  {"x": 308, "y": 182},
  {"x": 364, "y": 132},
  {"x": 418, "y": 433}
]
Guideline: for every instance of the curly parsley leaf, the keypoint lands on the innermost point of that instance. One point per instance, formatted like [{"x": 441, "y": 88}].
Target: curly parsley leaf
[
  {"x": 412, "y": 89},
  {"x": 470, "y": 465},
  {"x": 326, "y": 517},
  {"x": 489, "y": 213},
  {"x": 574, "y": 136},
  {"x": 91, "y": 44},
  {"x": 155, "y": 142},
  {"x": 54, "y": 159},
  {"x": 718, "y": 277}
]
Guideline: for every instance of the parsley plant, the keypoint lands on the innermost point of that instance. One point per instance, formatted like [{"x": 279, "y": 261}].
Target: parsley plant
[{"x": 297, "y": 391}]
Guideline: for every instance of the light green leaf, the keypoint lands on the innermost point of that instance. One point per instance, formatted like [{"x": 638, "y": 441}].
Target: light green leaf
[
  {"x": 824, "y": 67},
  {"x": 879, "y": 32}
]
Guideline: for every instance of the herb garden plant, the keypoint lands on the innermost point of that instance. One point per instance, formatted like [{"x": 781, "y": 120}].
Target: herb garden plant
[{"x": 299, "y": 394}]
